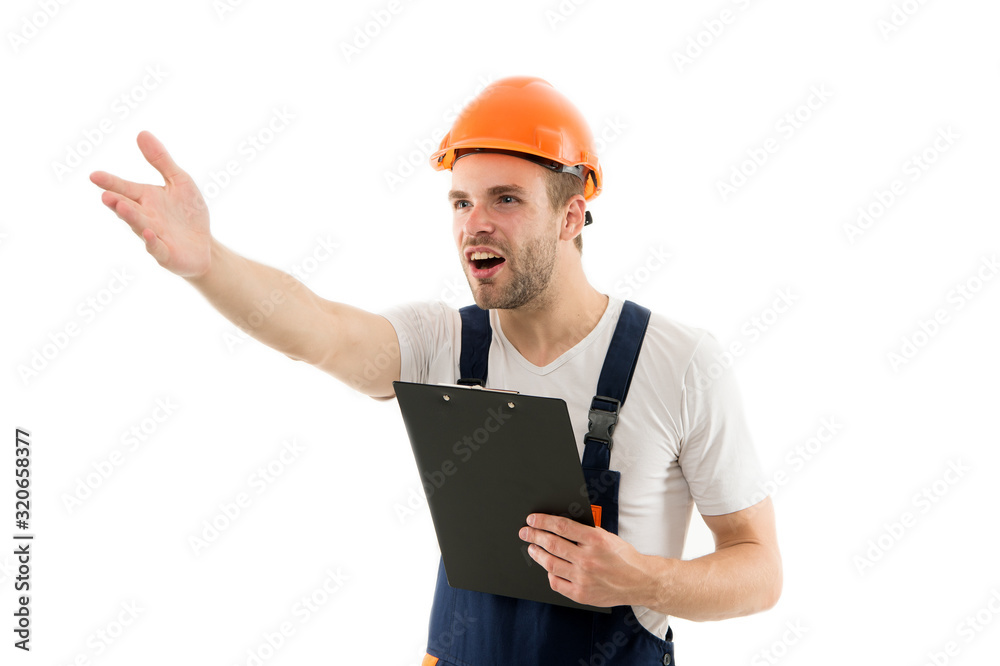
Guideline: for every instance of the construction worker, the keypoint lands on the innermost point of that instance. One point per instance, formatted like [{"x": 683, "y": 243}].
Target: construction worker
[{"x": 523, "y": 169}]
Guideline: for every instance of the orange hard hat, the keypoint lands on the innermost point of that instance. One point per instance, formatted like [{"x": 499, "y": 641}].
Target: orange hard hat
[{"x": 526, "y": 117}]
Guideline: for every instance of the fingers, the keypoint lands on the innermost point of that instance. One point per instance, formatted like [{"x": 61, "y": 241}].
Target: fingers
[
  {"x": 550, "y": 543},
  {"x": 113, "y": 183},
  {"x": 551, "y": 562},
  {"x": 130, "y": 212},
  {"x": 157, "y": 155},
  {"x": 564, "y": 587},
  {"x": 156, "y": 247},
  {"x": 127, "y": 210},
  {"x": 564, "y": 527}
]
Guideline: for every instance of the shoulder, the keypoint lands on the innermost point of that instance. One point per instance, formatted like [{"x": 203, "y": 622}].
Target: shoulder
[
  {"x": 678, "y": 344},
  {"x": 424, "y": 308},
  {"x": 427, "y": 319},
  {"x": 427, "y": 311}
]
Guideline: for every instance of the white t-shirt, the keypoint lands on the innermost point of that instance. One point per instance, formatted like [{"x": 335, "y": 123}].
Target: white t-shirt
[{"x": 681, "y": 438}]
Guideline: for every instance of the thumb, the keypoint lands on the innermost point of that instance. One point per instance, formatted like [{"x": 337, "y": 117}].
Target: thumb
[{"x": 156, "y": 154}]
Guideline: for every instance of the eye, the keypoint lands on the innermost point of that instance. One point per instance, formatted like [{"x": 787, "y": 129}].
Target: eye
[
  {"x": 507, "y": 198},
  {"x": 461, "y": 203}
]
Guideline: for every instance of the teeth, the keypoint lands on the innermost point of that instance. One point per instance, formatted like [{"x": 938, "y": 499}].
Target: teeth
[{"x": 484, "y": 255}]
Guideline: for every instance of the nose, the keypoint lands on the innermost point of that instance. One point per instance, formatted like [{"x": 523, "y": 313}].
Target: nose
[{"x": 477, "y": 221}]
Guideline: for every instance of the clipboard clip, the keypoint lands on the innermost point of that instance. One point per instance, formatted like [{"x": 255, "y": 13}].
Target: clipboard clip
[
  {"x": 603, "y": 417},
  {"x": 478, "y": 384}
]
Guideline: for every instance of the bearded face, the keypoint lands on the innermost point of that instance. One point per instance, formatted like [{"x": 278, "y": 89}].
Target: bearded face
[
  {"x": 523, "y": 275},
  {"x": 506, "y": 233}
]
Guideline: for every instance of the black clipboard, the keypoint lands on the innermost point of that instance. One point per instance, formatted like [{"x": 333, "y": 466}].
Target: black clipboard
[{"x": 487, "y": 459}]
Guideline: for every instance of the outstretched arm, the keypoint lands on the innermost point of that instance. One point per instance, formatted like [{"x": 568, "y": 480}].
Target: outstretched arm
[{"x": 269, "y": 304}]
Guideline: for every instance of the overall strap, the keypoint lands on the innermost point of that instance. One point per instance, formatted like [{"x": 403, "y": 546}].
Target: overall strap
[
  {"x": 613, "y": 385},
  {"x": 476, "y": 337}
]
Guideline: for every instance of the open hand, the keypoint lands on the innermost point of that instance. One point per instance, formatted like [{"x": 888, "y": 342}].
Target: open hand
[{"x": 172, "y": 219}]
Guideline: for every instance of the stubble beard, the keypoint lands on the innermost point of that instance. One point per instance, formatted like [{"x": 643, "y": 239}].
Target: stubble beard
[{"x": 530, "y": 275}]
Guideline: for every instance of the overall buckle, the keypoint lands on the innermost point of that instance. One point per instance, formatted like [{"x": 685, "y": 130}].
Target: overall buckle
[{"x": 603, "y": 417}]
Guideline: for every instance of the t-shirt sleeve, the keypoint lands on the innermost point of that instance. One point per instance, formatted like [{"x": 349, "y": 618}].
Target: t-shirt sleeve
[
  {"x": 717, "y": 454},
  {"x": 427, "y": 331}
]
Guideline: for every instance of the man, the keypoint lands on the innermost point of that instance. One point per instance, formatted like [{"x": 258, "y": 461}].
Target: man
[{"x": 523, "y": 167}]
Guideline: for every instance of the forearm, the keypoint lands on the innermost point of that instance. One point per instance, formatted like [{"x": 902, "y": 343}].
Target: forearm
[
  {"x": 268, "y": 304},
  {"x": 741, "y": 579}
]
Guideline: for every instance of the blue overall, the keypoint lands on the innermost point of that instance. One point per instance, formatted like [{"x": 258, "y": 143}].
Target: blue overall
[{"x": 478, "y": 629}]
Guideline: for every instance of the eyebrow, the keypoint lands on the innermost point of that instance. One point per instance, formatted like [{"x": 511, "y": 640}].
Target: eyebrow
[{"x": 496, "y": 190}]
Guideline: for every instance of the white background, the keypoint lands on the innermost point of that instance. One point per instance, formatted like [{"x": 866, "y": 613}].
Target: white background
[{"x": 672, "y": 132}]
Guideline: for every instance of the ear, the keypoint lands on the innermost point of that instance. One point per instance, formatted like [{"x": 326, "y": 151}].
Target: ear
[{"x": 573, "y": 218}]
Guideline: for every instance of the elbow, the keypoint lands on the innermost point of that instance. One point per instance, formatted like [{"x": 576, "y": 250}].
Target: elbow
[
  {"x": 774, "y": 581},
  {"x": 765, "y": 591},
  {"x": 772, "y": 595}
]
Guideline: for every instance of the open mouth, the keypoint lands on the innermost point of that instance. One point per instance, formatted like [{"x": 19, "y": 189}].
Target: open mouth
[
  {"x": 485, "y": 264},
  {"x": 489, "y": 262}
]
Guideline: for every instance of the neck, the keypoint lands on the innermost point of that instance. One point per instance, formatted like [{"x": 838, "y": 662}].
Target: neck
[{"x": 557, "y": 320}]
